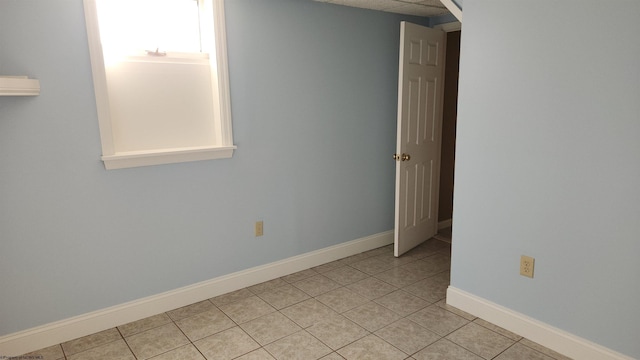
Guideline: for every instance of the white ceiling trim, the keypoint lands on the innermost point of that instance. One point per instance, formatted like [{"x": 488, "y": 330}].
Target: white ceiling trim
[
  {"x": 453, "y": 8},
  {"x": 425, "y": 8}
]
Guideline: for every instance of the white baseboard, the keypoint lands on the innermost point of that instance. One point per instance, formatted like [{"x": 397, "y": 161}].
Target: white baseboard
[
  {"x": 444, "y": 224},
  {"x": 544, "y": 334},
  {"x": 68, "y": 329}
]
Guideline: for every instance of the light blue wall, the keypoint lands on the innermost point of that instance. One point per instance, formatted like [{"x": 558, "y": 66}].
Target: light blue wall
[
  {"x": 548, "y": 163},
  {"x": 314, "y": 107}
]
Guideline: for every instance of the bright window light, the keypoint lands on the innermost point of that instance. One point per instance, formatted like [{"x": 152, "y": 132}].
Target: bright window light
[{"x": 133, "y": 27}]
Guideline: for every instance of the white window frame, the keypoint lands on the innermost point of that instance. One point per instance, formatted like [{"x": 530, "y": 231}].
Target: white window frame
[{"x": 114, "y": 159}]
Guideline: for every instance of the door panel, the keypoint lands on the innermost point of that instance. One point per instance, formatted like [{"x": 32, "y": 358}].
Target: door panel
[{"x": 420, "y": 88}]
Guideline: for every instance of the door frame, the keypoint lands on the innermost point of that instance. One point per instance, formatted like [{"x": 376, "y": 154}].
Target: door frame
[{"x": 447, "y": 28}]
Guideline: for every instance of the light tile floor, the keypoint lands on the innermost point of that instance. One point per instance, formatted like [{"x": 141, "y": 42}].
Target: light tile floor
[{"x": 367, "y": 306}]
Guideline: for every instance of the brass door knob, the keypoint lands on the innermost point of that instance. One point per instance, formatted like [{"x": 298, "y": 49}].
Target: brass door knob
[
  {"x": 406, "y": 157},
  {"x": 396, "y": 157}
]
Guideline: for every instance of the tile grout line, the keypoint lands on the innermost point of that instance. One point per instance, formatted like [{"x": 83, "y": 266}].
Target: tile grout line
[{"x": 126, "y": 343}]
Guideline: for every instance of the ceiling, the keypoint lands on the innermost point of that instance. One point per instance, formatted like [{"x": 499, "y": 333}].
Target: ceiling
[{"x": 409, "y": 7}]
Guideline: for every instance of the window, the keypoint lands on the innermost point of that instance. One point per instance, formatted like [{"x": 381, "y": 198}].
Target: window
[
  {"x": 161, "y": 80},
  {"x": 127, "y": 27}
]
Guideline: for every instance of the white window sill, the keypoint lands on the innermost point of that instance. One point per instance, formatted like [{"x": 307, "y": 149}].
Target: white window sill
[{"x": 130, "y": 159}]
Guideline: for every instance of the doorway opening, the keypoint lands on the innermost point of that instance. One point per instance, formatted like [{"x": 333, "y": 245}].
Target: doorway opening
[{"x": 448, "y": 147}]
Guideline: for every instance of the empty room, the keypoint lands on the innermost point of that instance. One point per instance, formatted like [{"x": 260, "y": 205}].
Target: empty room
[{"x": 240, "y": 196}]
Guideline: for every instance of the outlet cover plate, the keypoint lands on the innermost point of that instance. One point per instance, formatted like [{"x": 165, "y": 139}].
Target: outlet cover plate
[
  {"x": 526, "y": 266},
  {"x": 259, "y": 228}
]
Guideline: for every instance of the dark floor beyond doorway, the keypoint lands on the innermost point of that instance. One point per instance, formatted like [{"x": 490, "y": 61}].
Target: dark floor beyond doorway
[{"x": 444, "y": 234}]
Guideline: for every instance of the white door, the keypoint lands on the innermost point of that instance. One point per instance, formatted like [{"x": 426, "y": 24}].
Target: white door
[{"x": 420, "y": 89}]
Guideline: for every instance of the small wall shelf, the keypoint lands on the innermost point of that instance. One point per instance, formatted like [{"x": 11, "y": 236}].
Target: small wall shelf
[{"x": 19, "y": 86}]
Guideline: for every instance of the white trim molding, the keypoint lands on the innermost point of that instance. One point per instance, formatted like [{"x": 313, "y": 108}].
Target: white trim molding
[
  {"x": 544, "y": 334},
  {"x": 453, "y": 8},
  {"x": 68, "y": 329},
  {"x": 449, "y": 27},
  {"x": 166, "y": 156}
]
